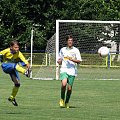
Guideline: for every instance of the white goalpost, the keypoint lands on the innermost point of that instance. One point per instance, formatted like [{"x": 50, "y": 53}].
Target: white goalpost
[
  {"x": 57, "y": 49},
  {"x": 31, "y": 52},
  {"x": 88, "y": 37}
]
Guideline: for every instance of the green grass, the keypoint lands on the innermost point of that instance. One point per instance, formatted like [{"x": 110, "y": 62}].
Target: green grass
[
  {"x": 83, "y": 73},
  {"x": 38, "y": 100}
]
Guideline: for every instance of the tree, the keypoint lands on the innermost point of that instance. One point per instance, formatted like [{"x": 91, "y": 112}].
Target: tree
[
  {"x": 18, "y": 16},
  {"x": 105, "y": 10}
]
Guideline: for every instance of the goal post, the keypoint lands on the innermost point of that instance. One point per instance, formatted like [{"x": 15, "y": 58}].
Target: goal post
[
  {"x": 31, "y": 51},
  {"x": 57, "y": 49},
  {"x": 88, "y": 37}
]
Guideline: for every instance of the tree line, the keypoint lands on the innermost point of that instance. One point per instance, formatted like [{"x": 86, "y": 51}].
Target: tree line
[{"x": 18, "y": 17}]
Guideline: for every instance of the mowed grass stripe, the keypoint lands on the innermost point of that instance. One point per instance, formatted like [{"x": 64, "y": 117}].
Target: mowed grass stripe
[{"x": 91, "y": 100}]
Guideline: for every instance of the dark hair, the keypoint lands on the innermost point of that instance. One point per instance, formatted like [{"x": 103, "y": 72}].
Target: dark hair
[
  {"x": 14, "y": 42},
  {"x": 69, "y": 37}
]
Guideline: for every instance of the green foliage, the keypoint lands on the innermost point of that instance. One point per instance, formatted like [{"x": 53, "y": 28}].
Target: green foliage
[{"x": 18, "y": 16}]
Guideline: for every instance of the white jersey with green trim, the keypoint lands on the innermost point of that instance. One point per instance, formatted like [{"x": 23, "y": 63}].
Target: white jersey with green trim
[{"x": 68, "y": 66}]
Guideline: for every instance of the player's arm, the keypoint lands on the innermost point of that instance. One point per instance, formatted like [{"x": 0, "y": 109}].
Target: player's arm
[
  {"x": 78, "y": 57},
  {"x": 2, "y": 53},
  {"x": 75, "y": 60},
  {"x": 60, "y": 58},
  {"x": 24, "y": 60}
]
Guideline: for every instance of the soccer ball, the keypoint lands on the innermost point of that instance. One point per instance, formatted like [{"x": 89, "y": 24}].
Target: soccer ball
[{"x": 103, "y": 51}]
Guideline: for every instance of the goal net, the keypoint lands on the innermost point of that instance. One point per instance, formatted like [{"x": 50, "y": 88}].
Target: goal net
[{"x": 88, "y": 37}]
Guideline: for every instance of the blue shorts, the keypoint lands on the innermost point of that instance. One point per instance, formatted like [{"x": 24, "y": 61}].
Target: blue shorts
[{"x": 10, "y": 68}]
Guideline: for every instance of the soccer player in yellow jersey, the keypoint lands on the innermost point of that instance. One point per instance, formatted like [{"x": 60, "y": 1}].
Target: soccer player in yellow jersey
[{"x": 12, "y": 63}]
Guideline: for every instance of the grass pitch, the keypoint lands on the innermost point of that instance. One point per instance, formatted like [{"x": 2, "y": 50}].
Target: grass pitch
[{"x": 38, "y": 100}]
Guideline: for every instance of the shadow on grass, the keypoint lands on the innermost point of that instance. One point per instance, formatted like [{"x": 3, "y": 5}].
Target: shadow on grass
[
  {"x": 12, "y": 113},
  {"x": 73, "y": 107}
]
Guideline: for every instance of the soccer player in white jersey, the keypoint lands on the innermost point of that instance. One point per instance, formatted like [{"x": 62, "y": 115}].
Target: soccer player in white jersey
[{"x": 69, "y": 57}]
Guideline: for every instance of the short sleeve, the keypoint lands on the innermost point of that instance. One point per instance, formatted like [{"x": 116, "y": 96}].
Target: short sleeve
[
  {"x": 60, "y": 54},
  {"x": 78, "y": 55}
]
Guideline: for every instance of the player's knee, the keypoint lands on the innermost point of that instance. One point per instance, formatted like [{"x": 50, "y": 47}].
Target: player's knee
[
  {"x": 64, "y": 82},
  {"x": 70, "y": 88},
  {"x": 64, "y": 85},
  {"x": 69, "y": 91},
  {"x": 17, "y": 85}
]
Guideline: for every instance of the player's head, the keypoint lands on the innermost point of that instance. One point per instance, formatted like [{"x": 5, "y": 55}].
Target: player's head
[
  {"x": 14, "y": 46},
  {"x": 69, "y": 40}
]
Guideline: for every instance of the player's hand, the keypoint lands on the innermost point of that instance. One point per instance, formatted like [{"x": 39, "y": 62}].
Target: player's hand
[
  {"x": 28, "y": 65},
  {"x": 70, "y": 58},
  {"x": 74, "y": 60},
  {"x": 59, "y": 61}
]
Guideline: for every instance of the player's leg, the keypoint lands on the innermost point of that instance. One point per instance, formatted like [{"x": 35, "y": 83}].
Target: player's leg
[
  {"x": 15, "y": 79},
  {"x": 69, "y": 90},
  {"x": 63, "y": 78},
  {"x": 68, "y": 94},
  {"x": 9, "y": 68},
  {"x": 19, "y": 68},
  {"x": 63, "y": 90}
]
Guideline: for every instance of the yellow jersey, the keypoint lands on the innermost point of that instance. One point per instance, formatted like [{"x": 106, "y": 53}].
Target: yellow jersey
[{"x": 8, "y": 56}]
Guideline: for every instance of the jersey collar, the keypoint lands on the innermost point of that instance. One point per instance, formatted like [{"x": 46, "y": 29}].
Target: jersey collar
[
  {"x": 69, "y": 48},
  {"x": 12, "y": 52}
]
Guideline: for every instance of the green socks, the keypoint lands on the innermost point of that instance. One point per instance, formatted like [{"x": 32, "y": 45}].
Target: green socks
[
  {"x": 68, "y": 96},
  {"x": 63, "y": 93}
]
